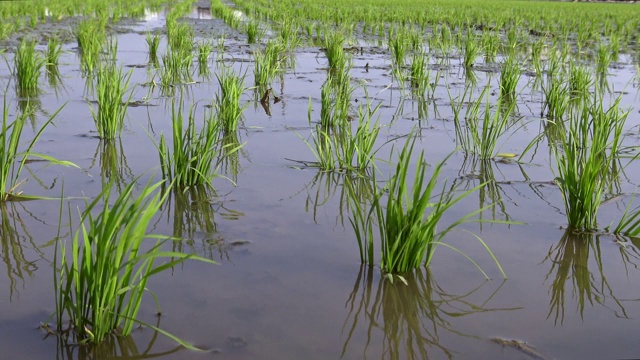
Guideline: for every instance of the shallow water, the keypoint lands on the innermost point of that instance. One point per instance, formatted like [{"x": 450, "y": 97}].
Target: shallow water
[{"x": 289, "y": 283}]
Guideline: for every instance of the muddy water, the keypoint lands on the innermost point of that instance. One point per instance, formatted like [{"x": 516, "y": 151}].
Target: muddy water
[{"x": 289, "y": 283}]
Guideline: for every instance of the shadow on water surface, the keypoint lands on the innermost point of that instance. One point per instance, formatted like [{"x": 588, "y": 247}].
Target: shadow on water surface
[
  {"x": 577, "y": 258},
  {"x": 413, "y": 317}
]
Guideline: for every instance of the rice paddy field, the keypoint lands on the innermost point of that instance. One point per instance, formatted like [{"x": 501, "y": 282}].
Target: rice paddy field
[{"x": 320, "y": 179}]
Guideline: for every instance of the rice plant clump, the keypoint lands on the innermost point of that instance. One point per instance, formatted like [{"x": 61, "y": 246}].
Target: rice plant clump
[
  {"x": 227, "y": 100},
  {"x": 111, "y": 87},
  {"x": 12, "y": 160},
  {"x": 100, "y": 281},
  {"x": 408, "y": 221},
  {"x": 509, "y": 77},
  {"x": 28, "y": 64},
  {"x": 589, "y": 152},
  {"x": 195, "y": 155}
]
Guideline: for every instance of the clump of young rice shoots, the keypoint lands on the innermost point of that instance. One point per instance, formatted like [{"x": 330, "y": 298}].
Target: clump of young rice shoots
[
  {"x": 153, "y": 43},
  {"x": 194, "y": 155},
  {"x": 341, "y": 148},
  {"x": 490, "y": 42},
  {"x": 472, "y": 48},
  {"x": 580, "y": 82},
  {"x": 334, "y": 49},
  {"x": 91, "y": 36},
  {"x": 589, "y": 151},
  {"x": 12, "y": 158},
  {"x": 27, "y": 64},
  {"x": 176, "y": 69},
  {"x": 227, "y": 100},
  {"x": 407, "y": 219},
  {"x": 267, "y": 66},
  {"x": 398, "y": 46},
  {"x": 204, "y": 50},
  {"x": 557, "y": 97},
  {"x": 112, "y": 85},
  {"x": 420, "y": 75},
  {"x": 479, "y": 135},
  {"x": 254, "y": 32},
  {"x": 509, "y": 76},
  {"x": 100, "y": 280}
]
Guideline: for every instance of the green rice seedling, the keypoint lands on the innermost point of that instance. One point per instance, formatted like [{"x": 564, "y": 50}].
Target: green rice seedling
[
  {"x": 334, "y": 49},
  {"x": 340, "y": 148},
  {"x": 254, "y": 32},
  {"x": 399, "y": 46},
  {"x": 629, "y": 224},
  {"x": 195, "y": 155},
  {"x": 288, "y": 34},
  {"x": 54, "y": 50},
  {"x": 204, "y": 50},
  {"x": 588, "y": 152},
  {"x": 509, "y": 76},
  {"x": 111, "y": 87},
  {"x": 91, "y": 36},
  {"x": 227, "y": 100},
  {"x": 407, "y": 223},
  {"x": 557, "y": 97},
  {"x": 12, "y": 159},
  {"x": 580, "y": 82},
  {"x": 603, "y": 59},
  {"x": 265, "y": 69},
  {"x": 180, "y": 38},
  {"x": 28, "y": 64},
  {"x": 472, "y": 48},
  {"x": 175, "y": 70},
  {"x": 420, "y": 76},
  {"x": 479, "y": 135},
  {"x": 100, "y": 281},
  {"x": 153, "y": 42}
]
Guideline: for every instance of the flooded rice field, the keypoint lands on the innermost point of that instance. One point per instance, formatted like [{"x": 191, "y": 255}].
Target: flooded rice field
[{"x": 288, "y": 283}]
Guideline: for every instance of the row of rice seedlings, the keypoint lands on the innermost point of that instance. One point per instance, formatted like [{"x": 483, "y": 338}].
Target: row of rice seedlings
[
  {"x": 27, "y": 64},
  {"x": 111, "y": 85},
  {"x": 588, "y": 153},
  {"x": 100, "y": 281},
  {"x": 153, "y": 43},
  {"x": 91, "y": 36},
  {"x": 227, "y": 99},
  {"x": 196, "y": 155},
  {"x": 12, "y": 158},
  {"x": 407, "y": 221}
]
